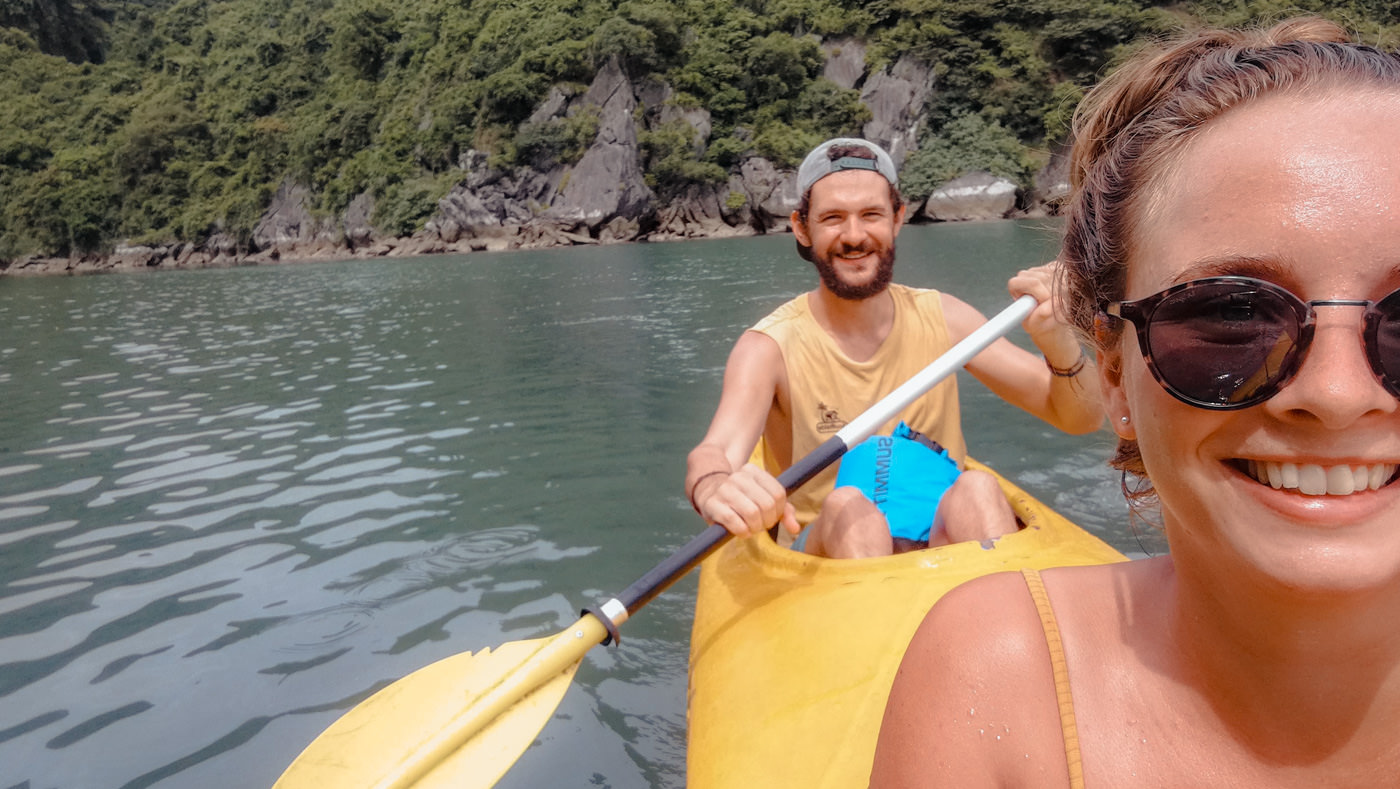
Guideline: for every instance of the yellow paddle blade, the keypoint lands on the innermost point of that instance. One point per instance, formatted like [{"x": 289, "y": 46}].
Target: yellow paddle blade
[{"x": 460, "y": 722}]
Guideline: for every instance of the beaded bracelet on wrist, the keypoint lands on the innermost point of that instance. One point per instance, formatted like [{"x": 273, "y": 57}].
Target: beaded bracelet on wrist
[{"x": 1068, "y": 372}]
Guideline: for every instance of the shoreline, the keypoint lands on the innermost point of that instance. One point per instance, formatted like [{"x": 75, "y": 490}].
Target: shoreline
[{"x": 189, "y": 257}]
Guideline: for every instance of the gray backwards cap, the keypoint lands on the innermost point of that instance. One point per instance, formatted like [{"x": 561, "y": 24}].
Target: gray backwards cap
[{"x": 819, "y": 165}]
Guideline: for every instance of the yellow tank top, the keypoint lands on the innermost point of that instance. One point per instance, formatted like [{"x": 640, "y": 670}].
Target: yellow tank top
[{"x": 828, "y": 388}]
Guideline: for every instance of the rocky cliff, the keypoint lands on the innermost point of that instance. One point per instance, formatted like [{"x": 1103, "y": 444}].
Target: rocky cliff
[{"x": 601, "y": 196}]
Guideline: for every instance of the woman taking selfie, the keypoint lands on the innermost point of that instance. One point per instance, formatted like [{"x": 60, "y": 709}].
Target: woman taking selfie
[{"x": 1233, "y": 250}]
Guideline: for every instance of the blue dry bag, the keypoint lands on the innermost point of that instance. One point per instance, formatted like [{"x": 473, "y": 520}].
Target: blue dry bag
[{"x": 905, "y": 475}]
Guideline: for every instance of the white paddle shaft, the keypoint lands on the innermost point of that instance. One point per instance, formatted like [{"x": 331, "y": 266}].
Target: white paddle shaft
[{"x": 865, "y": 425}]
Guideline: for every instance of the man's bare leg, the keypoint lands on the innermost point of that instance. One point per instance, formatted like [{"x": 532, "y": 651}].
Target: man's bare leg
[
  {"x": 849, "y": 526},
  {"x": 974, "y": 508}
]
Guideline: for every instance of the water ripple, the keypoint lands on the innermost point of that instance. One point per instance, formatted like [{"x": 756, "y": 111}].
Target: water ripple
[{"x": 222, "y": 490}]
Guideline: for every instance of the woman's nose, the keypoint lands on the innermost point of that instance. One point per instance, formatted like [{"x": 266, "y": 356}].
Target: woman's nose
[{"x": 1335, "y": 383}]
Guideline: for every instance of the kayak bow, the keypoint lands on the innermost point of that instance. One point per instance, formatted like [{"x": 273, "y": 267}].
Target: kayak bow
[{"x": 792, "y": 656}]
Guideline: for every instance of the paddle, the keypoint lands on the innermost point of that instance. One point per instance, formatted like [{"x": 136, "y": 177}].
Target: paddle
[{"x": 464, "y": 720}]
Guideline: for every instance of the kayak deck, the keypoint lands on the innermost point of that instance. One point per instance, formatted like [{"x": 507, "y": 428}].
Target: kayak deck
[{"x": 792, "y": 656}]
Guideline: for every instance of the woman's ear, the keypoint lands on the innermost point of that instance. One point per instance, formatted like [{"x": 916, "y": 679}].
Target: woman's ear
[
  {"x": 1115, "y": 405},
  {"x": 1109, "y": 362}
]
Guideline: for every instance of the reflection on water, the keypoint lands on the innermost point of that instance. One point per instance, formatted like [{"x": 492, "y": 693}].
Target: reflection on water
[{"x": 234, "y": 503}]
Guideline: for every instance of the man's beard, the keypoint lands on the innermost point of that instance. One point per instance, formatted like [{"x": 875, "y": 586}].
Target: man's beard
[{"x": 884, "y": 274}]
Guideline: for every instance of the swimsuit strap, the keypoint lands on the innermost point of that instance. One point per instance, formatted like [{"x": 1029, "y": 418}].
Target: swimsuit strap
[{"x": 1068, "y": 729}]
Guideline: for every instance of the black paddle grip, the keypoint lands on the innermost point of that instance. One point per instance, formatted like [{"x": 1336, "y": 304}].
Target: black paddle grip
[{"x": 816, "y": 461}]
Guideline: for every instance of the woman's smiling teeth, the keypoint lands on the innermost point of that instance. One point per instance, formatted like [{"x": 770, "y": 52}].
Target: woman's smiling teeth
[{"x": 1314, "y": 480}]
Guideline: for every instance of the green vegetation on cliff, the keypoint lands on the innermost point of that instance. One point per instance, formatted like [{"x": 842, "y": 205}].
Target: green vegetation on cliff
[{"x": 153, "y": 120}]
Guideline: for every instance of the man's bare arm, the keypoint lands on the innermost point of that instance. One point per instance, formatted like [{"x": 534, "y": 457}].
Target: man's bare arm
[
  {"x": 720, "y": 484},
  {"x": 1069, "y": 402}
]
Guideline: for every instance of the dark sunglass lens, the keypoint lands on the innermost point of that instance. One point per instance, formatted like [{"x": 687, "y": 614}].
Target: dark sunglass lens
[
  {"x": 1223, "y": 343},
  {"x": 1386, "y": 341}
]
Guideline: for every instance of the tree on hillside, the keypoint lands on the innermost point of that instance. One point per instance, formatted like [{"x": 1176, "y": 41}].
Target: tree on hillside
[{"x": 71, "y": 29}]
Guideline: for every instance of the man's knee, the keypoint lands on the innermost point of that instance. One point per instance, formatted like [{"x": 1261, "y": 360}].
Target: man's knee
[
  {"x": 846, "y": 505},
  {"x": 979, "y": 486},
  {"x": 849, "y": 526},
  {"x": 974, "y": 508}
]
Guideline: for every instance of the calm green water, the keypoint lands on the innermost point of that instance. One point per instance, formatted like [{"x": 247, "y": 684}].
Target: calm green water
[{"x": 235, "y": 502}]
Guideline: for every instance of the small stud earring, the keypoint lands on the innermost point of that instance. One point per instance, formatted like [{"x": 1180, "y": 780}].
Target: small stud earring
[{"x": 1123, "y": 419}]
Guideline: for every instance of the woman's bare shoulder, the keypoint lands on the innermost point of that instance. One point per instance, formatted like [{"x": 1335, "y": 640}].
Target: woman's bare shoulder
[{"x": 974, "y": 700}]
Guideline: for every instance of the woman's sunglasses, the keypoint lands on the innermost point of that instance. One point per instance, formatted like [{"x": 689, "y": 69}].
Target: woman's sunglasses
[{"x": 1233, "y": 342}]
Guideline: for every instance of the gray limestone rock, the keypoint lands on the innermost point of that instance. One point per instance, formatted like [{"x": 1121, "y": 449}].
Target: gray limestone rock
[
  {"x": 221, "y": 244},
  {"x": 978, "y": 195},
  {"x": 555, "y": 105},
  {"x": 896, "y": 96},
  {"x": 694, "y": 213},
  {"x": 288, "y": 225},
  {"x": 489, "y": 202},
  {"x": 1051, "y": 187},
  {"x": 735, "y": 204},
  {"x": 619, "y": 230},
  {"x": 845, "y": 61},
  {"x": 772, "y": 193},
  {"x": 136, "y": 257},
  {"x": 659, "y": 108},
  {"x": 607, "y": 182},
  {"x": 288, "y": 222},
  {"x": 359, "y": 231}
]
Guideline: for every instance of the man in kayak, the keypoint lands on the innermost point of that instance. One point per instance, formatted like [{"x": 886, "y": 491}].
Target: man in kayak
[{"x": 823, "y": 358}]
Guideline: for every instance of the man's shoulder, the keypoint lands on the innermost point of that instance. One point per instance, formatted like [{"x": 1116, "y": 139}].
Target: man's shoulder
[
  {"x": 924, "y": 305},
  {"x": 909, "y": 291},
  {"x": 787, "y": 313}
]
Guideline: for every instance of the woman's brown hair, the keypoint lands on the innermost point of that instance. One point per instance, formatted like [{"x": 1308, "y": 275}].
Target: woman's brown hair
[{"x": 1133, "y": 126}]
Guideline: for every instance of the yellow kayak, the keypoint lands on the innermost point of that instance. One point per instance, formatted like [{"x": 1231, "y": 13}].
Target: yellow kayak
[{"x": 792, "y": 656}]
